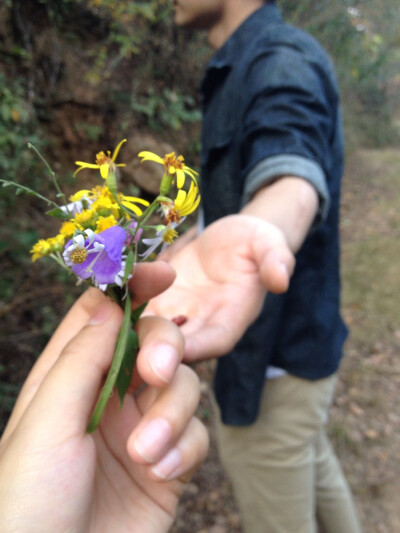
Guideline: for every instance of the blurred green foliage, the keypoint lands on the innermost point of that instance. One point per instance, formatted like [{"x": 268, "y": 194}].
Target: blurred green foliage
[
  {"x": 362, "y": 38},
  {"x": 147, "y": 71},
  {"x": 18, "y": 125},
  {"x": 166, "y": 110}
]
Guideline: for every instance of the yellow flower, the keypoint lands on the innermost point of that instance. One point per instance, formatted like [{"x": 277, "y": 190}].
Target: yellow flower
[
  {"x": 104, "y": 223},
  {"x": 130, "y": 201},
  {"x": 47, "y": 246},
  {"x": 103, "y": 162},
  {"x": 100, "y": 191},
  {"x": 84, "y": 193},
  {"x": 91, "y": 194},
  {"x": 57, "y": 243},
  {"x": 173, "y": 165},
  {"x": 169, "y": 235},
  {"x": 85, "y": 219},
  {"x": 40, "y": 249},
  {"x": 105, "y": 206},
  {"x": 184, "y": 204},
  {"x": 68, "y": 229},
  {"x": 165, "y": 235}
]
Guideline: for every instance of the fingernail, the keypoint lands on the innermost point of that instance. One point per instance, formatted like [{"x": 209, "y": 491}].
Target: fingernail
[
  {"x": 169, "y": 466},
  {"x": 152, "y": 439},
  {"x": 164, "y": 360},
  {"x": 101, "y": 314}
]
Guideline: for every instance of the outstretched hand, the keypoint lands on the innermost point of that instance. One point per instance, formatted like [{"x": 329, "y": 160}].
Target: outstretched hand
[
  {"x": 222, "y": 279},
  {"x": 128, "y": 475}
]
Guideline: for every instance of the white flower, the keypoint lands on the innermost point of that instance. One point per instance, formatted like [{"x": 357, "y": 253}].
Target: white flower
[{"x": 165, "y": 236}]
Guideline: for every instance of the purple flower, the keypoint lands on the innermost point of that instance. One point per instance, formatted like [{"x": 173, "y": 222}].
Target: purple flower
[
  {"x": 132, "y": 226},
  {"x": 98, "y": 256}
]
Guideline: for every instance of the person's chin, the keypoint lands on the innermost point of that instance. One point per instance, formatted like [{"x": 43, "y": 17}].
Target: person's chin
[
  {"x": 179, "y": 19},
  {"x": 188, "y": 24},
  {"x": 182, "y": 23}
]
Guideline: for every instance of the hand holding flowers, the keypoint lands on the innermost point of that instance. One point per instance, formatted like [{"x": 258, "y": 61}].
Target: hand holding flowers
[
  {"x": 128, "y": 476},
  {"x": 105, "y": 233}
]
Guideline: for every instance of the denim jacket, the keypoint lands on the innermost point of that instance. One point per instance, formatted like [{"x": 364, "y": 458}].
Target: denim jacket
[{"x": 270, "y": 109}]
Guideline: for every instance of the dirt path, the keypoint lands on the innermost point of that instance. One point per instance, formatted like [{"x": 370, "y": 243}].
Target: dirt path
[{"x": 365, "y": 419}]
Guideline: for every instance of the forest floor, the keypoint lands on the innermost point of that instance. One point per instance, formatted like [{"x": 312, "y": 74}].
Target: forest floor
[{"x": 365, "y": 417}]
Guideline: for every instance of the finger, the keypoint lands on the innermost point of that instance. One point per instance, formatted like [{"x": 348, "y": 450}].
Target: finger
[
  {"x": 276, "y": 269},
  {"x": 74, "y": 321},
  {"x": 142, "y": 283},
  {"x": 206, "y": 338},
  {"x": 150, "y": 279},
  {"x": 166, "y": 415},
  {"x": 273, "y": 256},
  {"x": 184, "y": 458},
  {"x": 209, "y": 341},
  {"x": 161, "y": 350},
  {"x": 216, "y": 334},
  {"x": 78, "y": 316},
  {"x": 67, "y": 394}
]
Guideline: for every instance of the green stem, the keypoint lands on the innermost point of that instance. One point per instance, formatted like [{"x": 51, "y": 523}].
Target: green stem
[
  {"x": 150, "y": 210},
  {"x": 165, "y": 185},
  {"x": 115, "y": 367},
  {"x": 111, "y": 182},
  {"x": 147, "y": 214},
  {"x": 7, "y": 183},
  {"x": 60, "y": 194},
  {"x": 58, "y": 259}
]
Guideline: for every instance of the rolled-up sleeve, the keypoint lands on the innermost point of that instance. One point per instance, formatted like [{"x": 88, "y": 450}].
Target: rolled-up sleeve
[
  {"x": 272, "y": 168},
  {"x": 288, "y": 122}
]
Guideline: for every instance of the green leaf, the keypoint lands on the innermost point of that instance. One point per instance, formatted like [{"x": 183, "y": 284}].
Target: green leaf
[
  {"x": 57, "y": 212},
  {"x": 128, "y": 362},
  {"x": 136, "y": 314},
  {"x": 22, "y": 188},
  {"x": 115, "y": 367},
  {"x": 128, "y": 267},
  {"x": 125, "y": 373}
]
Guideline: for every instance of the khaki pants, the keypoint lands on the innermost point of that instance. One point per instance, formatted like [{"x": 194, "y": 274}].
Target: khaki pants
[{"x": 283, "y": 469}]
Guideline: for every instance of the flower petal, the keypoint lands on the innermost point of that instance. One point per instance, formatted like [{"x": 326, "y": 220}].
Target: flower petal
[
  {"x": 180, "y": 198},
  {"x": 104, "y": 169},
  {"x": 150, "y": 156},
  {"x": 116, "y": 151},
  {"x": 132, "y": 207},
  {"x": 114, "y": 239},
  {"x": 86, "y": 165},
  {"x": 190, "y": 171},
  {"x": 180, "y": 178},
  {"x": 79, "y": 195},
  {"x": 103, "y": 265}
]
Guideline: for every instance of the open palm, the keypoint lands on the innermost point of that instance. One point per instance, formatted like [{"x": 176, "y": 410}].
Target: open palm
[{"x": 222, "y": 278}]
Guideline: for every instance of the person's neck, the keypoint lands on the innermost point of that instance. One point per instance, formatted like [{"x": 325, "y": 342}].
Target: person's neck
[{"x": 236, "y": 13}]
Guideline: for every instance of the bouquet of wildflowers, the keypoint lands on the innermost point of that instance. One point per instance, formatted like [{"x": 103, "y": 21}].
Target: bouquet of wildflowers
[{"x": 104, "y": 233}]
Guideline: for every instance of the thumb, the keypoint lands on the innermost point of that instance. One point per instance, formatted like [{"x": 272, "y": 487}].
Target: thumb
[
  {"x": 273, "y": 256},
  {"x": 66, "y": 397}
]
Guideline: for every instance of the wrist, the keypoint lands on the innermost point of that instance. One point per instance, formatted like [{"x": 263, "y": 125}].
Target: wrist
[{"x": 290, "y": 204}]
